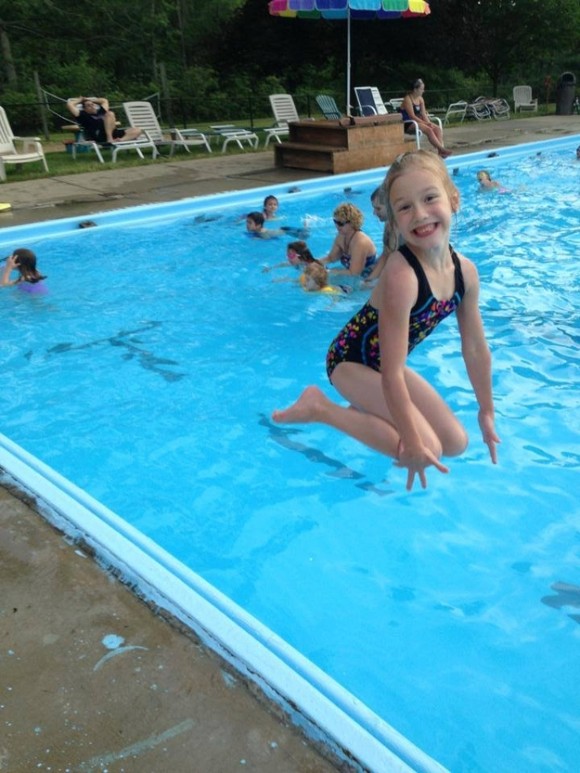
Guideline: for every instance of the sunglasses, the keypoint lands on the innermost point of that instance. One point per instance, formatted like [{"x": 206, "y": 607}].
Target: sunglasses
[{"x": 340, "y": 223}]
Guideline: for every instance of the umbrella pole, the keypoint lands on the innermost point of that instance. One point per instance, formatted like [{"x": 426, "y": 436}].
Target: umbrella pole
[{"x": 348, "y": 60}]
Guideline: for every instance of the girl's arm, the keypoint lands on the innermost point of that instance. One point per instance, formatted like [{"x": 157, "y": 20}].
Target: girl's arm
[
  {"x": 9, "y": 267},
  {"x": 397, "y": 293},
  {"x": 476, "y": 355},
  {"x": 276, "y": 265}
]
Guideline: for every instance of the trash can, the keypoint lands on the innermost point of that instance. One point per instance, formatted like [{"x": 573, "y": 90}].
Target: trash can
[{"x": 565, "y": 93}]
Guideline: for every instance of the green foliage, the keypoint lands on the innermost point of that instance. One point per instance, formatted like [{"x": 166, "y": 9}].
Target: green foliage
[{"x": 223, "y": 57}]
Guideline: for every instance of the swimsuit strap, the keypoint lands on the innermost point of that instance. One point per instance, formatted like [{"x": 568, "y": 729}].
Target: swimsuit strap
[
  {"x": 424, "y": 290},
  {"x": 424, "y": 286}
]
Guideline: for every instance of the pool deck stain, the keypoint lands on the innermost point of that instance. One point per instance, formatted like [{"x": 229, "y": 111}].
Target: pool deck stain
[{"x": 91, "y": 678}]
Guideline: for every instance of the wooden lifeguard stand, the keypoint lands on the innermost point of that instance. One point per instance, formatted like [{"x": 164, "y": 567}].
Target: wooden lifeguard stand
[{"x": 346, "y": 145}]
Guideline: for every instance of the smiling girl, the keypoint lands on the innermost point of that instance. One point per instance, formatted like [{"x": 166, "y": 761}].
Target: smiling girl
[{"x": 391, "y": 407}]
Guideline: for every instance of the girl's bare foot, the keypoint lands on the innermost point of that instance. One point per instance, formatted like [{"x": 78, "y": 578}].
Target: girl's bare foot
[{"x": 308, "y": 408}]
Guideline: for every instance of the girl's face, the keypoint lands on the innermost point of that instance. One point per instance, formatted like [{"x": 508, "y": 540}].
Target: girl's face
[
  {"x": 271, "y": 207},
  {"x": 293, "y": 257},
  {"x": 422, "y": 209}
]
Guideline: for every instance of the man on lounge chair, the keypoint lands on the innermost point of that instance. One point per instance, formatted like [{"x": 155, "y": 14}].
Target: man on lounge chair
[{"x": 98, "y": 122}]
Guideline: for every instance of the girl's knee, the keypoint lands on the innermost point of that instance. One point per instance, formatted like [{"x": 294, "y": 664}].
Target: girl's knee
[{"x": 455, "y": 443}]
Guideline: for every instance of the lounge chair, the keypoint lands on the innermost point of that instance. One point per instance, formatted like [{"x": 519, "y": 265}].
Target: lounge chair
[
  {"x": 456, "y": 110},
  {"x": 523, "y": 99},
  {"x": 486, "y": 108},
  {"x": 328, "y": 107},
  {"x": 142, "y": 115},
  {"x": 229, "y": 132},
  {"x": 30, "y": 151},
  {"x": 82, "y": 143},
  {"x": 370, "y": 101},
  {"x": 285, "y": 112}
]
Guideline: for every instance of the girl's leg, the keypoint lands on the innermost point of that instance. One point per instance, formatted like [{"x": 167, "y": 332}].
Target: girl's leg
[
  {"x": 435, "y": 137},
  {"x": 440, "y": 429},
  {"x": 368, "y": 420},
  {"x": 314, "y": 406}
]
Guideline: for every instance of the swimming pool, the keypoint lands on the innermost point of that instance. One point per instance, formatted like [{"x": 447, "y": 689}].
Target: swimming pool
[{"x": 450, "y": 614}]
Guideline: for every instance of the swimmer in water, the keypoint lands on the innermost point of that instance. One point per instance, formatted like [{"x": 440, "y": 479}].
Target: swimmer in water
[{"x": 29, "y": 278}]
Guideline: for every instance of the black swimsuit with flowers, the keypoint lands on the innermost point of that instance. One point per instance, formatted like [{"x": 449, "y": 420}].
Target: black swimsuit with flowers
[{"x": 358, "y": 341}]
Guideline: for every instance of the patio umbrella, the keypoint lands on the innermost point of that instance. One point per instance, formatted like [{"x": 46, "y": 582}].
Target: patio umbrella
[{"x": 348, "y": 9}]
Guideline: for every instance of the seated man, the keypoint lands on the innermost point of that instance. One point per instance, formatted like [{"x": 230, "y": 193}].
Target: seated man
[{"x": 98, "y": 122}]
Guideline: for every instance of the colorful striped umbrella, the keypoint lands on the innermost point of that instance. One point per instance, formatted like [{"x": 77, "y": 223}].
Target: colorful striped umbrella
[{"x": 348, "y": 9}]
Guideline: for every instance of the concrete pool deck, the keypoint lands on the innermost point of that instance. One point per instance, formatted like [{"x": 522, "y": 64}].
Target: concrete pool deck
[{"x": 91, "y": 679}]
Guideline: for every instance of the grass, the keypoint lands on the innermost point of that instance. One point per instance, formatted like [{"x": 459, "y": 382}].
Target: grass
[{"x": 60, "y": 162}]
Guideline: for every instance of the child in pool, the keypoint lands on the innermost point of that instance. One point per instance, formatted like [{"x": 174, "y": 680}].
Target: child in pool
[
  {"x": 271, "y": 205},
  {"x": 487, "y": 184},
  {"x": 255, "y": 227},
  {"x": 29, "y": 279},
  {"x": 297, "y": 255},
  {"x": 392, "y": 408},
  {"x": 315, "y": 280}
]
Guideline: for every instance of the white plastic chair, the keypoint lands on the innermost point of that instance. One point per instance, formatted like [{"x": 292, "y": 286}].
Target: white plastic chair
[
  {"x": 231, "y": 133},
  {"x": 30, "y": 151},
  {"x": 523, "y": 99},
  {"x": 285, "y": 112},
  {"x": 142, "y": 115},
  {"x": 456, "y": 109},
  {"x": 81, "y": 142}
]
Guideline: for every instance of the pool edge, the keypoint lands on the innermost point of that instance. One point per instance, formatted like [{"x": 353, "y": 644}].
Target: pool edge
[{"x": 377, "y": 747}]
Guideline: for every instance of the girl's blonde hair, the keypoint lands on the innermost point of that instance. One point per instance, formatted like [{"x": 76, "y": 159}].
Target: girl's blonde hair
[
  {"x": 318, "y": 272},
  {"x": 349, "y": 214},
  {"x": 416, "y": 159}
]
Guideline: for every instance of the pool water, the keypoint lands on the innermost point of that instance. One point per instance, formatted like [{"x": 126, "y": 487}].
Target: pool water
[{"x": 147, "y": 377}]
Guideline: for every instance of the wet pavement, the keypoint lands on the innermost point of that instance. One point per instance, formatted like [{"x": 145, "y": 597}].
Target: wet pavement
[{"x": 91, "y": 678}]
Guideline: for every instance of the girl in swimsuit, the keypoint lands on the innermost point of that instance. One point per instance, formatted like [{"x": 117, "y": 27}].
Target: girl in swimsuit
[
  {"x": 29, "y": 278},
  {"x": 353, "y": 248},
  {"x": 413, "y": 109},
  {"x": 392, "y": 408}
]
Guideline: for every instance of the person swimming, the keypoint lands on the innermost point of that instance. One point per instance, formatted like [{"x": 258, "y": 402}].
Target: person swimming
[{"x": 29, "y": 279}]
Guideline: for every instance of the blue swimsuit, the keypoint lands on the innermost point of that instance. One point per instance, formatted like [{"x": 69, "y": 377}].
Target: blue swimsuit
[
  {"x": 370, "y": 263},
  {"x": 358, "y": 341}
]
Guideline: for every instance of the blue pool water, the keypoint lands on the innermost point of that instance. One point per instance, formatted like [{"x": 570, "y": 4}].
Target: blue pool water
[{"x": 147, "y": 377}]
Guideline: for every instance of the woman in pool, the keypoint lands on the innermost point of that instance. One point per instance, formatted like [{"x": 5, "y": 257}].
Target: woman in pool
[
  {"x": 353, "y": 248},
  {"x": 29, "y": 279},
  {"x": 392, "y": 408},
  {"x": 413, "y": 109}
]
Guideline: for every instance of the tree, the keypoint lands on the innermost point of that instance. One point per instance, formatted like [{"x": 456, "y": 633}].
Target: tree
[{"x": 497, "y": 36}]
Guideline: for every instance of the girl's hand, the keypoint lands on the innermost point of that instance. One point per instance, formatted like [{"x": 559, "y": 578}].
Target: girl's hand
[
  {"x": 416, "y": 463},
  {"x": 12, "y": 261},
  {"x": 490, "y": 437}
]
